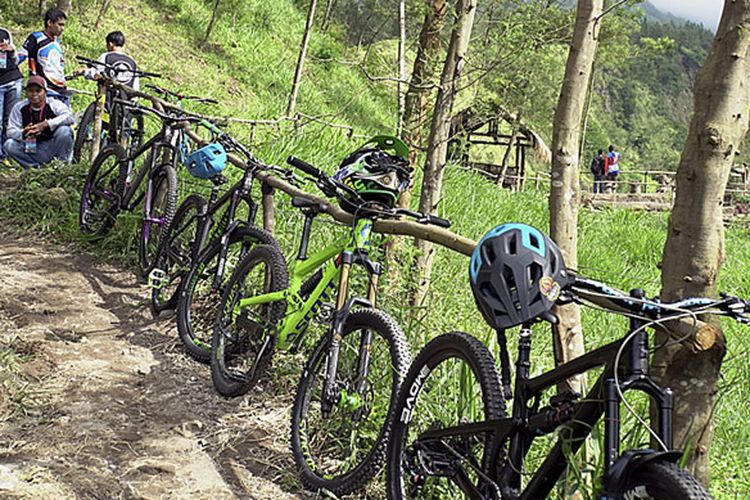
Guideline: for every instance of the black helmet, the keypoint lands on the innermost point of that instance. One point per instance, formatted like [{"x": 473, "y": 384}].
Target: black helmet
[
  {"x": 375, "y": 175},
  {"x": 516, "y": 274}
]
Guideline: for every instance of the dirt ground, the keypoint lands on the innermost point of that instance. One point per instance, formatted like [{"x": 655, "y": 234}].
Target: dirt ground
[{"x": 118, "y": 410}]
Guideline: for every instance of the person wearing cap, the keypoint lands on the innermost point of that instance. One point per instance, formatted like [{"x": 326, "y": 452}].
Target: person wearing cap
[
  {"x": 11, "y": 82},
  {"x": 39, "y": 128}
]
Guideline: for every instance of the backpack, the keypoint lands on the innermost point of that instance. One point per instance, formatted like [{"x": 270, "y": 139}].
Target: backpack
[{"x": 597, "y": 167}]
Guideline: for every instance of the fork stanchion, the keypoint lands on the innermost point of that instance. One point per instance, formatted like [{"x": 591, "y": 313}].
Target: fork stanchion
[
  {"x": 269, "y": 216},
  {"x": 96, "y": 134}
]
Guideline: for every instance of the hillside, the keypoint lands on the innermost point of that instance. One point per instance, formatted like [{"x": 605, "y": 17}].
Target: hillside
[{"x": 642, "y": 100}]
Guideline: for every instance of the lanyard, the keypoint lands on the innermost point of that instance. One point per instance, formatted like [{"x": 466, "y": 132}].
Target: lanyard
[{"x": 41, "y": 113}]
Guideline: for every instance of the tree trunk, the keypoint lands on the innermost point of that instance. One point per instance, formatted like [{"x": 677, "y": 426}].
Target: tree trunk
[
  {"x": 694, "y": 249},
  {"x": 269, "y": 213},
  {"x": 564, "y": 191},
  {"x": 423, "y": 72},
  {"x": 401, "y": 64},
  {"x": 214, "y": 14},
  {"x": 42, "y": 7},
  {"x": 506, "y": 157},
  {"x": 327, "y": 16},
  {"x": 102, "y": 13},
  {"x": 65, "y": 5},
  {"x": 437, "y": 149},
  {"x": 301, "y": 59}
]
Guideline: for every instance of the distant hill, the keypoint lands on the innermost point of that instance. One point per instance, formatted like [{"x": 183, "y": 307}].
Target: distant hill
[{"x": 654, "y": 14}]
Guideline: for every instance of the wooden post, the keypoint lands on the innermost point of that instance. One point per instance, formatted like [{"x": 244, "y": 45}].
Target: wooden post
[
  {"x": 269, "y": 219},
  {"x": 96, "y": 134}
]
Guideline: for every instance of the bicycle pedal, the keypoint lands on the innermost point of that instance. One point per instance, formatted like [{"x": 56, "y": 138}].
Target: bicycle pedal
[{"x": 157, "y": 278}]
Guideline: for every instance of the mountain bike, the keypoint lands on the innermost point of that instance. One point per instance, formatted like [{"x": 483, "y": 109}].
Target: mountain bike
[
  {"x": 119, "y": 125},
  {"x": 451, "y": 436},
  {"x": 201, "y": 246},
  {"x": 114, "y": 182},
  {"x": 349, "y": 383}
]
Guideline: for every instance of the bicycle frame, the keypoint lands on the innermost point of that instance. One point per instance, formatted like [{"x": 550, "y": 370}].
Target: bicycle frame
[
  {"x": 578, "y": 417},
  {"x": 163, "y": 140},
  {"x": 291, "y": 330}
]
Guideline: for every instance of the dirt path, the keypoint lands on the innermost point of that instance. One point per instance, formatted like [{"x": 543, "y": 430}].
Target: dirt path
[{"x": 120, "y": 411}]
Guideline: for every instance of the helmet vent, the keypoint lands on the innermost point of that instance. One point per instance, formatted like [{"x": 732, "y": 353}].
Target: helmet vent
[
  {"x": 510, "y": 282},
  {"x": 489, "y": 253},
  {"x": 534, "y": 241},
  {"x": 513, "y": 245}
]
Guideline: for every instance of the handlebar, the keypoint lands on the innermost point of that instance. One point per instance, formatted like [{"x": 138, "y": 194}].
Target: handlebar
[
  {"x": 162, "y": 116},
  {"x": 92, "y": 62},
  {"x": 615, "y": 300},
  {"x": 179, "y": 95},
  {"x": 334, "y": 188}
]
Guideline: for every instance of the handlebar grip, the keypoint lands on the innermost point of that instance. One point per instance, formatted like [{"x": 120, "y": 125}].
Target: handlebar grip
[
  {"x": 304, "y": 166},
  {"x": 438, "y": 221}
]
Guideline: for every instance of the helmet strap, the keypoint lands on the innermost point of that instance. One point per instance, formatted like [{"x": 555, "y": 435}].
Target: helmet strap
[{"x": 502, "y": 341}]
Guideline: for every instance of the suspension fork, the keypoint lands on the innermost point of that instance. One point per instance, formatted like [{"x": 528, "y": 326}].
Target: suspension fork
[
  {"x": 330, "y": 390},
  {"x": 365, "y": 342}
]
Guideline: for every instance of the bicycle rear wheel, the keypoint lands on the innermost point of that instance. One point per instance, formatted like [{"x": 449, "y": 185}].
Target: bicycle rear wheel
[
  {"x": 243, "y": 340},
  {"x": 198, "y": 298},
  {"x": 161, "y": 201},
  {"x": 664, "y": 481},
  {"x": 102, "y": 191},
  {"x": 176, "y": 253},
  {"x": 341, "y": 448},
  {"x": 84, "y": 134},
  {"x": 452, "y": 381}
]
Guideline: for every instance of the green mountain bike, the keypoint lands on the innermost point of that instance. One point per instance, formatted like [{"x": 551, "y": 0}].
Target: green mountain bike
[{"x": 340, "y": 417}]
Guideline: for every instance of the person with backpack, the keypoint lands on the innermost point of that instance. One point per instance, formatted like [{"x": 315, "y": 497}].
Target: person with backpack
[
  {"x": 597, "y": 169},
  {"x": 39, "y": 128},
  {"x": 11, "y": 81},
  {"x": 612, "y": 165},
  {"x": 44, "y": 53},
  {"x": 114, "y": 57}
]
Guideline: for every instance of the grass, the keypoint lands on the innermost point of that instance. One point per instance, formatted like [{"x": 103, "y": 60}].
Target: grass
[{"x": 248, "y": 67}]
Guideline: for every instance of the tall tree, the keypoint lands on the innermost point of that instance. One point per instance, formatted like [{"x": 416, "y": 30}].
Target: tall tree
[
  {"x": 423, "y": 72},
  {"x": 564, "y": 192},
  {"x": 694, "y": 249},
  {"x": 437, "y": 149},
  {"x": 214, "y": 14},
  {"x": 301, "y": 59},
  {"x": 65, "y": 5},
  {"x": 401, "y": 63}
]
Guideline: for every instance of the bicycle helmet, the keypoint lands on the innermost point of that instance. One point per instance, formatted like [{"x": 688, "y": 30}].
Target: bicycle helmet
[
  {"x": 377, "y": 176},
  {"x": 208, "y": 161},
  {"x": 516, "y": 275}
]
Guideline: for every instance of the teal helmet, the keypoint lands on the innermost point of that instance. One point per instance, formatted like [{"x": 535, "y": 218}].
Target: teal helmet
[
  {"x": 206, "y": 162},
  {"x": 377, "y": 176}
]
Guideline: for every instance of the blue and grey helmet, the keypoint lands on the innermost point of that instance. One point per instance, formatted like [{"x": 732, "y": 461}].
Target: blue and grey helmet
[{"x": 516, "y": 275}]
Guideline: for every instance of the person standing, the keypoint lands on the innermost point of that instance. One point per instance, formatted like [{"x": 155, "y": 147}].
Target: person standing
[
  {"x": 44, "y": 53},
  {"x": 39, "y": 128},
  {"x": 612, "y": 166},
  {"x": 11, "y": 81},
  {"x": 597, "y": 169}
]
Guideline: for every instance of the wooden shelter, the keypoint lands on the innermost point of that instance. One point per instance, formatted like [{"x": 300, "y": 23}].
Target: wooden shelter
[{"x": 503, "y": 139}]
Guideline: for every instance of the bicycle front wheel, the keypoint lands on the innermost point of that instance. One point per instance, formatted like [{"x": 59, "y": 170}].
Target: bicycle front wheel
[
  {"x": 203, "y": 285},
  {"x": 243, "y": 337},
  {"x": 664, "y": 481},
  {"x": 102, "y": 191},
  {"x": 176, "y": 253},
  {"x": 161, "y": 203},
  {"x": 338, "y": 440},
  {"x": 452, "y": 382},
  {"x": 84, "y": 135}
]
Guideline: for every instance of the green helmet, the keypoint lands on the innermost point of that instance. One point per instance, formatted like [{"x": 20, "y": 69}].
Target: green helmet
[{"x": 377, "y": 176}]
